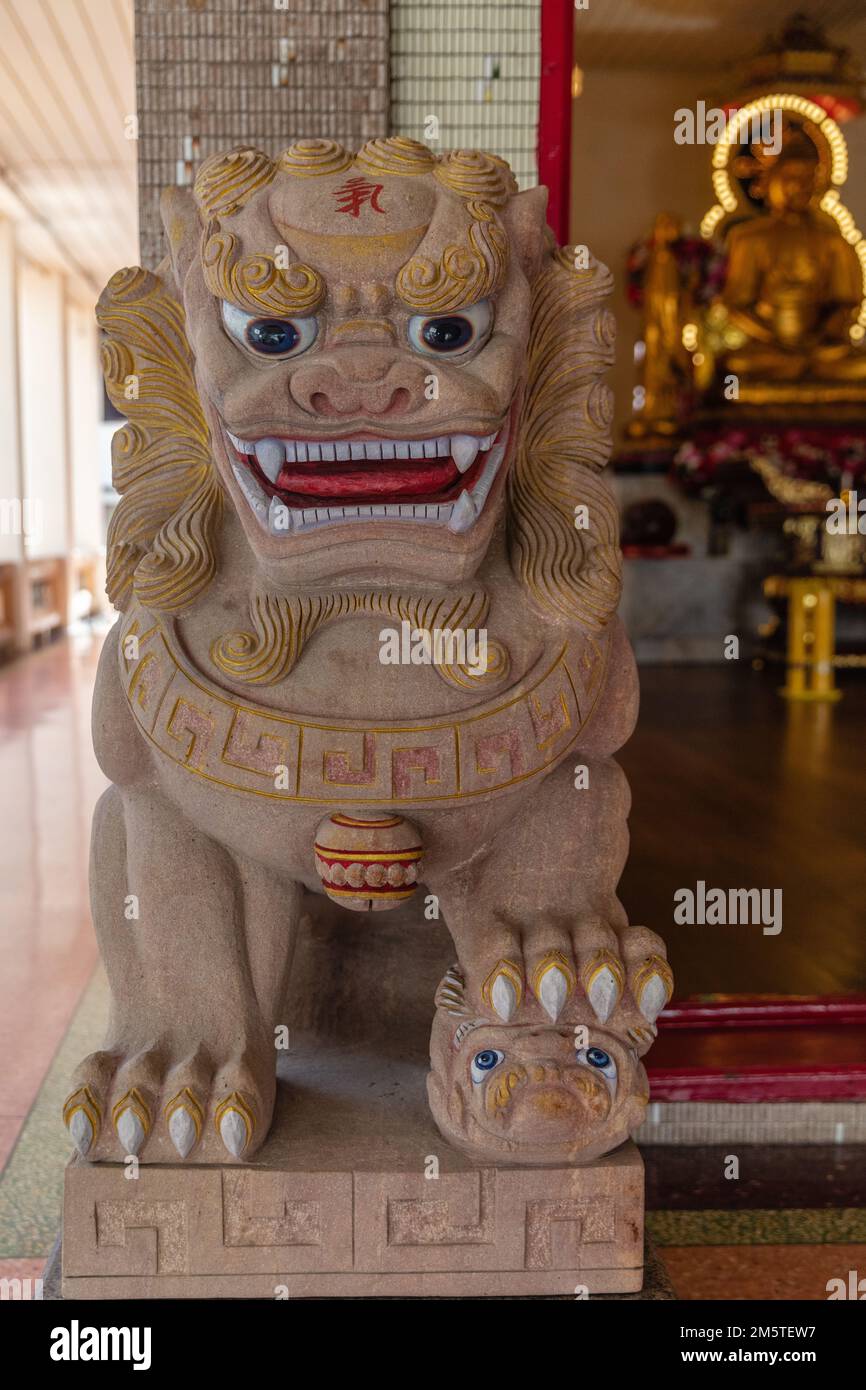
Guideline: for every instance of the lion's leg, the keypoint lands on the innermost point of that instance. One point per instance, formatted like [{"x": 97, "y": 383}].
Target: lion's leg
[
  {"x": 539, "y": 912},
  {"x": 189, "y": 1064}
]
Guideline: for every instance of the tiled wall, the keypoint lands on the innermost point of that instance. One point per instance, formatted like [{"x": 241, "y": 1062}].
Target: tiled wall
[
  {"x": 474, "y": 64},
  {"x": 216, "y": 73}
]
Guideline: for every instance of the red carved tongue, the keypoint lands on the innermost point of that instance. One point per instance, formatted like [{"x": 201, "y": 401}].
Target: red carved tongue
[{"x": 422, "y": 479}]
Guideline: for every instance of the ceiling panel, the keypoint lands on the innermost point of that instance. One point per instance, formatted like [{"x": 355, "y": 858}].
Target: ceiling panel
[
  {"x": 699, "y": 35},
  {"x": 67, "y": 83}
]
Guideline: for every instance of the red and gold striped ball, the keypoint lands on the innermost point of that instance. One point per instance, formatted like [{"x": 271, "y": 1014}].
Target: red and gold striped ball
[{"x": 368, "y": 863}]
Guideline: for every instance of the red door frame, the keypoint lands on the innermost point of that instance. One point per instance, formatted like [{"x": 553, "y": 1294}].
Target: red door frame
[{"x": 554, "y": 111}]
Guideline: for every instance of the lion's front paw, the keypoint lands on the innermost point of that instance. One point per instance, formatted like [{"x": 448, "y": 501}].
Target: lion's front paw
[
  {"x": 550, "y": 966},
  {"x": 141, "y": 1102}
]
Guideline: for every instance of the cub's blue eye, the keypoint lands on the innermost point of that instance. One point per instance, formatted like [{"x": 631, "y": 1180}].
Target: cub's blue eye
[
  {"x": 599, "y": 1060},
  {"x": 484, "y": 1062},
  {"x": 272, "y": 335},
  {"x": 597, "y": 1057}
]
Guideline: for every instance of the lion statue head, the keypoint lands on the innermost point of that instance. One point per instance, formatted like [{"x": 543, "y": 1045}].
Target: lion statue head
[{"x": 375, "y": 359}]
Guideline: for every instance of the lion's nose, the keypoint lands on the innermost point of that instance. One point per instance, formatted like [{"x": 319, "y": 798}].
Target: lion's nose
[
  {"x": 361, "y": 383},
  {"x": 369, "y": 401}
]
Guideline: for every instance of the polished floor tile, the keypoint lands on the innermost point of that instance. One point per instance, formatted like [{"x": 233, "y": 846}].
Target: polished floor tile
[
  {"x": 761, "y": 1272},
  {"x": 49, "y": 782}
]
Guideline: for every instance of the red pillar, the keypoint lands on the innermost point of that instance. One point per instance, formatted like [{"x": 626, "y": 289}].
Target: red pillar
[{"x": 554, "y": 113}]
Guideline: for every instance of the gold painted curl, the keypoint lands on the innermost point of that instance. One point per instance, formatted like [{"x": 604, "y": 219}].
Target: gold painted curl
[
  {"x": 474, "y": 174},
  {"x": 226, "y": 182},
  {"x": 396, "y": 155},
  {"x": 315, "y": 158},
  {"x": 161, "y": 537},
  {"x": 462, "y": 275},
  {"x": 256, "y": 283}
]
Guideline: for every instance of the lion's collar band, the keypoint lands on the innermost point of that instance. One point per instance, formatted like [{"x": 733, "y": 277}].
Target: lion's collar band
[{"x": 511, "y": 738}]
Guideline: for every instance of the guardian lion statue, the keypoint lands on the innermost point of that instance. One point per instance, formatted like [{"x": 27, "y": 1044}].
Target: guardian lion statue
[{"x": 364, "y": 393}]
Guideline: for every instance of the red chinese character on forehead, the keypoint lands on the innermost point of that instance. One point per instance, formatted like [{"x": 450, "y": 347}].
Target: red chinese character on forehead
[{"x": 356, "y": 193}]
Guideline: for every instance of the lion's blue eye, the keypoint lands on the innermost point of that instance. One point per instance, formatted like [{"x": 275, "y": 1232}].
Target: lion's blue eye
[
  {"x": 599, "y": 1060},
  {"x": 270, "y": 337},
  {"x": 484, "y": 1062},
  {"x": 443, "y": 333}
]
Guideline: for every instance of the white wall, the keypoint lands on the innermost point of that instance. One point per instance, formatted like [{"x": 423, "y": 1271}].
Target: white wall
[
  {"x": 10, "y": 544},
  {"x": 43, "y": 425}
]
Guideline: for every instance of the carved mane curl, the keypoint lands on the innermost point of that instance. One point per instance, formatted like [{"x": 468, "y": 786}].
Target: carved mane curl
[
  {"x": 564, "y": 441},
  {"x": 161, "y": 535}
]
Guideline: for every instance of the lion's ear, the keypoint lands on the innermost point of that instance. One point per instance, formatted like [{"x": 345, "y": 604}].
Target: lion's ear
[
  {"x": 182, "y": 223},
  {"x": 526, "y": 218}
]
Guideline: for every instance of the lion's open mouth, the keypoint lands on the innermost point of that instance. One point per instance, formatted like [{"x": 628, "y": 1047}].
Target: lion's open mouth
[{"x": 301, "y": 485}]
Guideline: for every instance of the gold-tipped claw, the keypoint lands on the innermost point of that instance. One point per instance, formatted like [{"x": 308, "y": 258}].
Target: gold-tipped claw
[
  {"x": 82, "y": 1116},
  {"x": 503, "y": 989},
  {"x": 184, "y": 1116},
  {"x": 235, "y": 1122}
]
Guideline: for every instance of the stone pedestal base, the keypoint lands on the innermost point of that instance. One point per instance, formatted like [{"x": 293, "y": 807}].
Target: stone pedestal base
[
  {"x": 353, "y": 1231},
  {"x": 337, "y": 1202}
]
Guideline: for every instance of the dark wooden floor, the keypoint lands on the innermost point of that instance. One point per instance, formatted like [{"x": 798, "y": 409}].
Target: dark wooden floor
[{"x": 735, "y": 786}]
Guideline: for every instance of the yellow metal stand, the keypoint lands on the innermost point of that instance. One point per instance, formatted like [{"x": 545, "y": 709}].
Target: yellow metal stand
[{"x": 811, "y": 636}]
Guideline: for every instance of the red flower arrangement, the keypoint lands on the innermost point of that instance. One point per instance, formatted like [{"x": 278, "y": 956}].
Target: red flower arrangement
[{"x": 834, "y": 455}]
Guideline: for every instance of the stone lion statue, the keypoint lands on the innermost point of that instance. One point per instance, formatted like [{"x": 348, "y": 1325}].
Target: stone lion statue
[{"x": 362, "y": 394}]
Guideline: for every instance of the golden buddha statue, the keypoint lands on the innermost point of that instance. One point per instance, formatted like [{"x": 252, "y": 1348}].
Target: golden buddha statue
[{"x": 794, "y": 286}]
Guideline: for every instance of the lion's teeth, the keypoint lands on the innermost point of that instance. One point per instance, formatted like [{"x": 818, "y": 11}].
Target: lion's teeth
[
  {"x": 270, "y": 454},
  {"x": 488, "y": 474},
  {"x": 464, "y": 516},
  {"x": 252, "y": 490},
  {"x": 280, "y": 518},
  {"x": 243, "y": 446},
  {"x": 464, "y": 449}
]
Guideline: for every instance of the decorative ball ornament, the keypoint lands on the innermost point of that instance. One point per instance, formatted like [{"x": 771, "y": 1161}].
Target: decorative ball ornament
[{"x": 368, "y": 863}]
